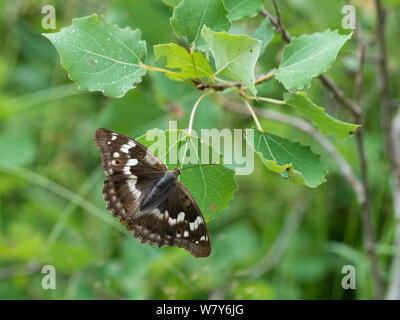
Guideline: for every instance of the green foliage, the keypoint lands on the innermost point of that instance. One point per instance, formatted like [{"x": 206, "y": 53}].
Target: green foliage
[
  {"x": 265, "y": 32},
  {"x": 326, "y": 123},
  {"x": 277, "y": 154},
  {"x": 99, "y": 56},
  {"x": 239, "y": 9},
  {"x": 190, "y": 65},
  {"x": 211, "y": 186},
  {"x": 309, "y": 56},
  {"x": 275, "y": 240},
  {"x": 235, "y": 56},
  {"x": 190, "y": 16}
]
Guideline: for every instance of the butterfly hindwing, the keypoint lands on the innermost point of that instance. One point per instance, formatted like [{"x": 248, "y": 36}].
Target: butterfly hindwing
[{"x": 175, "y": 222}]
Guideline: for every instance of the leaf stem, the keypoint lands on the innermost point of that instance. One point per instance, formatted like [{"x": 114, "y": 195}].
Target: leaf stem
[
  {"x": 253, "y": 114},
  {"x": 151, "y": 68},
  {"x": 194, "y": 110},
  {"x": 265, "y": 77},
  {"x": 266, "y": 99}
]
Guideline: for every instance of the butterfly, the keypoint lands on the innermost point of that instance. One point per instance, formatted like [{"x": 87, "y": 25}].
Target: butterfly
[{"x": 148, "y": 198}]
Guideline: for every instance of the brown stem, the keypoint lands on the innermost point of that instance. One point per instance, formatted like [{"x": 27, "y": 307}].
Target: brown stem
[
  {"x": 390, "y": 133},
  {"x": 355, "y": 108},
  {"x": 366, "y": 215},
  {"x": 222, "y": 86},
  {"x": 386, "y": 109}
]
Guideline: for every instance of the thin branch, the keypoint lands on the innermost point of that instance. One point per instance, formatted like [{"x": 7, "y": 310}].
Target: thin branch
[
  {"x": 369, "y": 240},
  {"x": 222, "y": 86},
  {"x": 277, "y": 23},
  {"x": 352, "y": 106},
  {"x": 194, "y": 110},
  {"x": 253, "y": 114},
  {"x": 355, "y": 108},
  {"x": 391, "y": 131},
  {"x": 386, "y": 110}
]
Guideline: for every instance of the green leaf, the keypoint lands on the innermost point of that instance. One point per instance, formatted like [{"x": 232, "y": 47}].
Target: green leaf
[
  {"x": 191, "y": 15},
  {"x": 239, "y": 9},
  {"x": 235, "y": 55},
  {"x": 191, "y": 65},
  {"x": 265, "y": 32},
  {"x": 211, "y": 186},
  {"x": 307, "y": 57},
  {"x": 292, "y": 160},
  {"x": 99, "y": 56},
  {"x": 323, "y": 121}
]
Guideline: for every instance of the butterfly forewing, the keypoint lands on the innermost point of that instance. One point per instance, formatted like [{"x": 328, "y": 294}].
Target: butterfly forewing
[
  {"x": 166, "y": 216},
  {"x": 123, "y": 157}
]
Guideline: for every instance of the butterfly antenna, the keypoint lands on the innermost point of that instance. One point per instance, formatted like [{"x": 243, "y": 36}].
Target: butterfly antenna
[{"x": 179, "y": 147}]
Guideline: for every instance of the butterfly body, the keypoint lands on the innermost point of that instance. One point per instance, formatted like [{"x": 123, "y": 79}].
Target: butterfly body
[
  {"x": 161, "y": 189},
  {"x": 148, "y": 198}
]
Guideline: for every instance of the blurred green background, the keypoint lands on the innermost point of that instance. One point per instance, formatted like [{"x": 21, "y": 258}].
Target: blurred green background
[{"x": 275, "y": 241}]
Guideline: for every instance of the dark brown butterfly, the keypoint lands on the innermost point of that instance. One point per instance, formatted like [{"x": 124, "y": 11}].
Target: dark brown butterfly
[{"x": 148, "y": 198}]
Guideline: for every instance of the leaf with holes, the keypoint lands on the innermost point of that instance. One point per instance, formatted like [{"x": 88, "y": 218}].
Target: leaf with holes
[
  {"x": 309, "y": 56},
  {"x": 191, "y": 15},
  {"x": 211, "y": 186},
  {"x": 323, "y": 121},
  {"x": 235, "y": 56},
  {"x": 239, "y": 9},
  {"x": 295, "y": 162},
  {"x": 99, "y": 56},
  {"x": 190, "y": 65}
]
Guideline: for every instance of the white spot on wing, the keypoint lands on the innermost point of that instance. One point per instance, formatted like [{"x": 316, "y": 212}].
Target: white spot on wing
[
  {"x": 171, "y": 221},
  {"x": 202, "y": 238},
  {"x": 181, "y": 217},
  {"x": 124, "y": 148},
  {"x": 132, "y": 185},
  {"x": 116, "y": 154},
  {"x": 114, "y": 137},
  {"x": 194, "y": 225},
  {"x": 186, "y": 234},
  {"x": 132, "y": 162}
]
